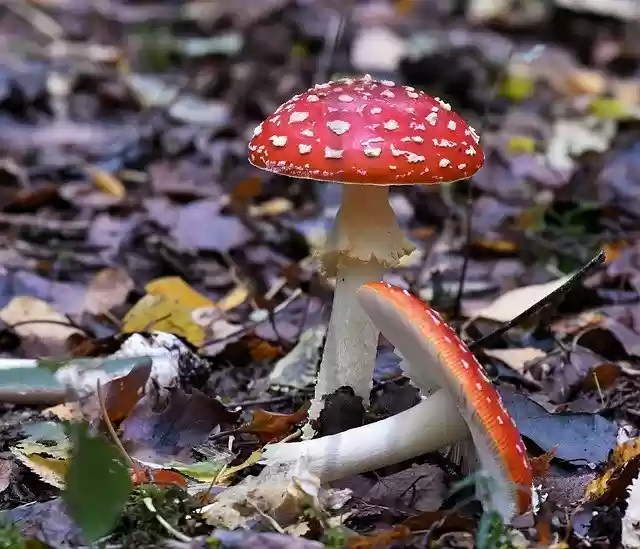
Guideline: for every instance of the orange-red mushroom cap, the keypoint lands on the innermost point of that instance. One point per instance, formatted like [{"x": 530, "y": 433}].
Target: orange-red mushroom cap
[
  {"x": 417, "y": 330},
  {"x": 366, "y": 131}
]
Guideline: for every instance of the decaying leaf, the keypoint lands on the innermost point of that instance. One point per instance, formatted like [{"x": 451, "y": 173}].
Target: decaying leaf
[
  {"x": 514, "y": 302},
  {"x": 516, "y": 358},
  {"x": 271, "y": 427},
  {"x": 185, "y": 422},
  {"x": 39, "y": 325},
  {"x": 109, "y": 288},
  {"x": 622, "y": 467},
  {"x": 380, "y": 539}
]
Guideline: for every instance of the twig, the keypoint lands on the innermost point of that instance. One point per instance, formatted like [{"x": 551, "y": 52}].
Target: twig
[
  {"x": 548, "y": 300},
  {"x": 465, "y": 263},
  {"x": 112, "y": 431},
  {"x": 332, "y": 39},
  {"x": 148, "y": 503}
]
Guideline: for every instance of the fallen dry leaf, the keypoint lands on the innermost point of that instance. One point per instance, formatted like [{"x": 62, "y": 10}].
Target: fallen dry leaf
[
  {"x": 39, "y": 325},
  {"x": 185, "y": 422},
  {"x": 379, "y": 540},
  {"x": 6, "y": 468},
  {"x": 622, "y": 467},
  {"x": 107, "y": 182},
  {"x": 109, "y": 288},
  {"x": 163, "y": 314},
  {"x": 271, "y": 427},
  {"x": 514, "y": 302},
  {"x": 516, "y": 358}
]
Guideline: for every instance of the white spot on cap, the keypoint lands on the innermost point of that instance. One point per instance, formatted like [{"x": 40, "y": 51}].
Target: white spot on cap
[
  {"x": 451, "y": 125},
  {"x": 345, "y": 98},
  {"x": 298, "y": 117},
  {"x": 375, "y": 110},
  {"x": 388, "y": 82},
  {"x": 413, "y": 158},
  {"x": 413, "y": 95},
  {"x": 444, "y": 163},
  {"x": 278, "y": 140},
  {"x": 479, "y": 386},
  {"x": 312, "y": 98},
  {"x": 432, "y": 118},
  {"x": 443, "y": 104},
  {"x": 304, "y": 149},
  {"x": 388, "y": 93},
  {"x": 500, "y": 420},
  {"x": 257, "y": 130},
  {"x": 465, "y": 364},
  {"x": 391, "y": 125},
  {"x": 372, "y": 151},
  {"x": 338, "y": 126},
  {"x": 332, "y": 153},
  {"x": 462, "y": 166},
  {"x": 307, "y": 133},
  {"x": 470, "y": 151}
]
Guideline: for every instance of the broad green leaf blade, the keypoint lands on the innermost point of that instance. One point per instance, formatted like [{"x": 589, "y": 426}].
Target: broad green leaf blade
[{"x": 98, "y": 483}]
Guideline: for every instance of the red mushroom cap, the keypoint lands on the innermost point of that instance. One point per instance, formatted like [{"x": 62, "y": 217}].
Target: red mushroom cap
[
  {"x": 416, "y": 329},
  {"x": 369, "y": 132}
]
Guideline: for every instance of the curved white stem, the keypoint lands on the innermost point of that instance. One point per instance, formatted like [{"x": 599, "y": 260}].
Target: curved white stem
[{"x": 428, "y": 426}]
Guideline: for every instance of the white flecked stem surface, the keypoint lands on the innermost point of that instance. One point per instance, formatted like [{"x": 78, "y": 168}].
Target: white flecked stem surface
[
  {"x": 352, "y": 339},
  {"x": 365, "y": 238},
  {"x": 428, "y": 426}
]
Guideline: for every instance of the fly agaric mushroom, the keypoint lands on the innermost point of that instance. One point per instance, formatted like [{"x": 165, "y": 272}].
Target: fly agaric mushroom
[
  {"x": 368, "y": 135},
  {"x": 465, "y": 407}
]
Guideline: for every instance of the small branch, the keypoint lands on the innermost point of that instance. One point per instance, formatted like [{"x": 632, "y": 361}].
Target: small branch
[
  {"x": 112, "y": 431},
  {"x": 550, "y": 299},
  {"x": 148, "y": 503}
]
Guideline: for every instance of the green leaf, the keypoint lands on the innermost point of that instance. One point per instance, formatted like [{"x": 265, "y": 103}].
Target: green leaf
[{"x": 98, "y": 483}]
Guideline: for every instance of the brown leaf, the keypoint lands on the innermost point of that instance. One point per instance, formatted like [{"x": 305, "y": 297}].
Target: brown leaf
[
  {"x": 261, "y": 349},
  {"x": 379, "y": 540},
  {"x": 109, "y": 288},
  {"x": 246, "y": 190},
  {"x": 270, "y": 426},
  {"x": 540, "y": 464}
]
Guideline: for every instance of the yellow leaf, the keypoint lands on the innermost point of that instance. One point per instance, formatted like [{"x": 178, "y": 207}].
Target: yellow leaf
[
  {"x": 275, "y": 206},
  {"x": 226, "y": 475},
  {"x": 503, "y": 246},
  {"x": 521, "y": 144},
  {"x": 403, "y": 7},
  {"x": 176, "y": 288},
  {"x": 622, "y": 468},
  {"x": 609, "y": 108},
  {"x": 517, "y": 87},
  {"x": 50, "y": 470},
  {"x": 167, "y": 314},
  {"x": 234, "y": 298},
  {"x": 107, "y": 182}
]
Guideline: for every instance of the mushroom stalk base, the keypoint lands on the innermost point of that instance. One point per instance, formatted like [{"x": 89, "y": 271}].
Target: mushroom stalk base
[{"x": 426, "y": 427}]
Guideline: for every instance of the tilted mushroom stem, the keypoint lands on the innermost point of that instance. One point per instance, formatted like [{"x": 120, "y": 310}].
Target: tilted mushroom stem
[
  {"x": 428, "y": 426},
  {"x": 364, "y": 239},
  {"x": 435, "y": 357}
]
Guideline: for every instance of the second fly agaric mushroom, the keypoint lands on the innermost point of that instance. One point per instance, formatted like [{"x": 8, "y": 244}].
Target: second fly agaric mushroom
[
  {"x": 366, "y": 134},
  {"x": 465, "y": 406}
]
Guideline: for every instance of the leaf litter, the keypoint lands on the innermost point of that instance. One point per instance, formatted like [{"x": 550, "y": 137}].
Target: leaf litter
[{"x": 140, "y": 252}]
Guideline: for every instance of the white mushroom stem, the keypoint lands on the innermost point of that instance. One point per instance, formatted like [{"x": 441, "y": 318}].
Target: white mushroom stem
[
  {"x": 364, "y": 240},
  {"x": 426, "y": 427}
]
